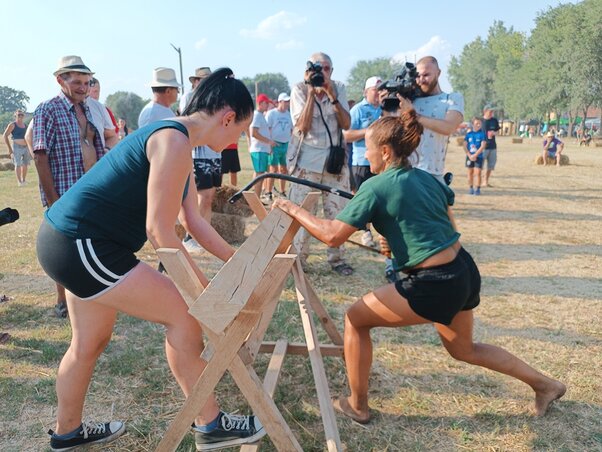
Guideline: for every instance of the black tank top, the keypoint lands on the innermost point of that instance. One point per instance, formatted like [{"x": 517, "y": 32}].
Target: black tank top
[{"x": 18, "y": 132}]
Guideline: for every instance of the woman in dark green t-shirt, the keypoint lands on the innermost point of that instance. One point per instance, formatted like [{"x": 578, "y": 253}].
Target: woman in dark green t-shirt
[{"x": 410, "y": 209}]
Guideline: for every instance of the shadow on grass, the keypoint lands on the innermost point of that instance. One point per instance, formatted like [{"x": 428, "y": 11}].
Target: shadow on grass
[
  {"x": 460, "y": 432},
  {"x": 495, "y": 252},
  {"x": 551, "y": 286}
]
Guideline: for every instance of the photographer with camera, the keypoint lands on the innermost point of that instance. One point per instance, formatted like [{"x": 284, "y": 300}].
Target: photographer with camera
[
  {"x": 320, "y": 112},
  {"x": 439, "y": 113}
]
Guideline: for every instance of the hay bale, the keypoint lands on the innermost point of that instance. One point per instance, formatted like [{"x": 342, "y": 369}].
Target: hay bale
[
  {"x": 7, "y": 165},
  {"x": 220, "y": 203},
  {"x": 564, "y": 160},
  {"x": 230, "y": 227},
  {"x": 517, "y": 140}
]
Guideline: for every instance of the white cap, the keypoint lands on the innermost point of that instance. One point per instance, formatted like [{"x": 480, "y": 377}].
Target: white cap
[
  {"x": 283, "y": 97},
  {"x": 372, "y": 82}
]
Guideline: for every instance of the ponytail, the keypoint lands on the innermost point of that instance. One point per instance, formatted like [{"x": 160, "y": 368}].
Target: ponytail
[
  {"x": 219, "y": 90},
  {"x": 401, "y": 133}
]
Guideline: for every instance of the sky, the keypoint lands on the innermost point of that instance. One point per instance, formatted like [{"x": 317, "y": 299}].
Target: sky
[{"x": 123, "y": 41}]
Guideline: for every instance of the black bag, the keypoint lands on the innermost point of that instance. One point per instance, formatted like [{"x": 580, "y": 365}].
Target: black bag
[
  {"x": 335, "y": 160},
  {"x": 336, "y": 154}
]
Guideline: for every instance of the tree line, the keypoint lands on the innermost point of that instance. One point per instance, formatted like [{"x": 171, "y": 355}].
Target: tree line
[{"x": 556, "y": 69}]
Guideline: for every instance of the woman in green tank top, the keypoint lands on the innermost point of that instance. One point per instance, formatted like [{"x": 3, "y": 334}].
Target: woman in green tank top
[{"x": 410, "y": 208}]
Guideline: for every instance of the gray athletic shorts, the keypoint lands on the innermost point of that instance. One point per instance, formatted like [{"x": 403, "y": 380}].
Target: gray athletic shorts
[{"x": 490, "y": 156}]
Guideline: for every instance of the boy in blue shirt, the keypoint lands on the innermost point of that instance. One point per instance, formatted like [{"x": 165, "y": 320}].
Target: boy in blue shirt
[{"x": 474, "y": 145}]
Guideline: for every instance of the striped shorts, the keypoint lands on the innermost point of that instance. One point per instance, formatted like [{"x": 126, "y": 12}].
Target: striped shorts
[{"x": 85, "y": 267}]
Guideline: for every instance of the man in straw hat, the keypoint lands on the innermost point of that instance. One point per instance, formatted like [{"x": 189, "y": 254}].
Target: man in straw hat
[
  {"x": 65, "y": 141},
  {"x": 552, "y": 148},
  {"x": 199, "y": 74},
  {"x": 165, "y": 93}
]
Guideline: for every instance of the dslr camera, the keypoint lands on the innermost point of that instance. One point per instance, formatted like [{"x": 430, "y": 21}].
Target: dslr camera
[
  {"x": 404, "y": 84},
  {"x": 316, "y": 77}
]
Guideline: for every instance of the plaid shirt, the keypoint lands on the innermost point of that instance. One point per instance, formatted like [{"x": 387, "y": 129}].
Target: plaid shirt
[{"x": 56, "y": 131}]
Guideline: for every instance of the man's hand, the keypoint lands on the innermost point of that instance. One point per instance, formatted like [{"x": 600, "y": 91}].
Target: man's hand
[
  {"x": 283, "y": 204},
  {"x": 384, "y": 247}
]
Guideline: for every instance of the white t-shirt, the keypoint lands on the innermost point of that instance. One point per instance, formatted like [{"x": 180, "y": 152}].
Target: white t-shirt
[
  {"x": 153, "y": 112},
  {"x": 260, "y": 123},
  {"x": 433, "y": 146},
  {"x": 280, "y": 124},
  {"x": 100, "y": 117}
]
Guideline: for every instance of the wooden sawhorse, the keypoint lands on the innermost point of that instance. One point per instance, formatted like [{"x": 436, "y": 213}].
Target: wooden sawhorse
[{"x": 235, "y": 310}]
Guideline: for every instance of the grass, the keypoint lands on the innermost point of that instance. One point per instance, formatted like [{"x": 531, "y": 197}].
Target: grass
[{"x": 536, "y": 237}]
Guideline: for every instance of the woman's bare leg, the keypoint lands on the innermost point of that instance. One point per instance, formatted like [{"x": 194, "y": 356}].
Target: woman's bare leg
[
  {"x": 383, "y": 307},
  {"x": 457, "y": 339},
  {"x": 92, "y": 326},
  {"x": 145, "y": 294}
]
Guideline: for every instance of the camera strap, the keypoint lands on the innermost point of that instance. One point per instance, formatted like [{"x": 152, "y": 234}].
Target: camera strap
[{"x": 325, "y": 125}]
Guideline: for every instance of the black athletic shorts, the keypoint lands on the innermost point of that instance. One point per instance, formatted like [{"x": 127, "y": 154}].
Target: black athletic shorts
[
  {"x": 207, "y": 173},
  {"x": 439, "y": 293},
  {"x": 230, "y": 161},
  {"x": 85, "y": 267},
  {"x": 360, "y": 175}
]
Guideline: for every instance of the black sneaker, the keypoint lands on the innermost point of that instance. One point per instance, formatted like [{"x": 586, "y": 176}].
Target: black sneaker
[
  {"x": 231, "y": 430},
  {"x": 87, "y": 433},
  {"x": 60, "y": 310}
]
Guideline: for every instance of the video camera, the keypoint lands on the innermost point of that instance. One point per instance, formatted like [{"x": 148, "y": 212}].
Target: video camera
[
  {"x": 8, "y": 215},
  {"x": 316, "y": 77},
  {"x": 404, "y": 84}
]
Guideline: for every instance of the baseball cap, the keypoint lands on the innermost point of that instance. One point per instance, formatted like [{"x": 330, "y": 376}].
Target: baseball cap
[
  {"x": 283, "y": 97},
  {"x": 263, "y": 98},
  {"x": 372, "y": 82}
]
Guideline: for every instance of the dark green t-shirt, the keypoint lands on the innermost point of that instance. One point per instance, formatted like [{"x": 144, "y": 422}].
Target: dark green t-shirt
[
  {"x": 409, "y": 208},
  {"x": 109, "y": 201}
]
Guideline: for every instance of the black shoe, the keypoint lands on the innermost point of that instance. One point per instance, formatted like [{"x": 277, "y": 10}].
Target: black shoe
[
  {"x": 60, "y": 310},
  {"x": 87, "y": 433},
  {"x": 231, "y": 430}
]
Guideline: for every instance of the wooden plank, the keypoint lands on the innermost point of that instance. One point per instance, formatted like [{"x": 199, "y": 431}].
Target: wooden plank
[
  {"x": 270, "y": 381},
  {"x": 333, "y": 441},
  {"x": 255, "y": 204},
  {"x": 226, "y": 349},
  {"x": 300, "y": 348},
  {"x": 181, "y": 273},
  {"x": 230, "y": 289}
]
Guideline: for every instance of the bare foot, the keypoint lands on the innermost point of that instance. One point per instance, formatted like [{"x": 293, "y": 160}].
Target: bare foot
[
  {"x": 543, "y": 399},
  {"x": 342, "y": 405}
]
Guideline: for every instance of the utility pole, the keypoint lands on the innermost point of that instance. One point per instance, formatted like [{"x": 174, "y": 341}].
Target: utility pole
[{"x": 179, "y": 50}]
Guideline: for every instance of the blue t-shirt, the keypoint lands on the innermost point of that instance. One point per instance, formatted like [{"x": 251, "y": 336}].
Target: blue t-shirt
[
  {"x": 362, "y": 115},
  {"x": 109, "y": 202},
  {"x": 553, "y": 146},
  {"x": 474, "y": 140},
  {"x": 409, "y": 208}
]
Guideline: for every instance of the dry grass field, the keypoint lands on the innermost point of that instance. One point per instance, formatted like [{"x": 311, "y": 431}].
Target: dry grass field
[{"x": 536, "y": 235}]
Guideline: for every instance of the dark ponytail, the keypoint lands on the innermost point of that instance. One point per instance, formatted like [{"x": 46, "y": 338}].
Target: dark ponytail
[
  {"x": 401, "y": 133},
  {"x": 219, "y": 90}
]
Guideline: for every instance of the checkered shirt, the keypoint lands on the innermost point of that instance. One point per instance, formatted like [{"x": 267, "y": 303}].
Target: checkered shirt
[{"x": 56, "y": 131}]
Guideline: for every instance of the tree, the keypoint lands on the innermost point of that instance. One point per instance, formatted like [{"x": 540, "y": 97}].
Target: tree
[
  {"x": 126, "y": 105},
  {"x": 270, "y": 84},
  {"x": 12, "y": 99},
  {"x": 382, "y": 67},
  {"x": 472, "y": 74}
]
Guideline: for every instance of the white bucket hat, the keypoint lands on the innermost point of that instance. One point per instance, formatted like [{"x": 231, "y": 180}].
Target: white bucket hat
[
  {"x": 164, "y": 77},
  {"x": 71, "y": 63}
]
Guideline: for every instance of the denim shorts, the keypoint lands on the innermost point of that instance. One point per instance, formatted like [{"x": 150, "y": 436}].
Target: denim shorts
[
  {"x": 21, "y": 155},
  {"x": 439, "y": 293}
]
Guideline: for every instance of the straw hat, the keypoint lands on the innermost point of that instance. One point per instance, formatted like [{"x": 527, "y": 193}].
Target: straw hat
[
  {"x": 200, "y": 73},
  {"x": 164, "y": 77},
  {"x": 71, "y": 63}
]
